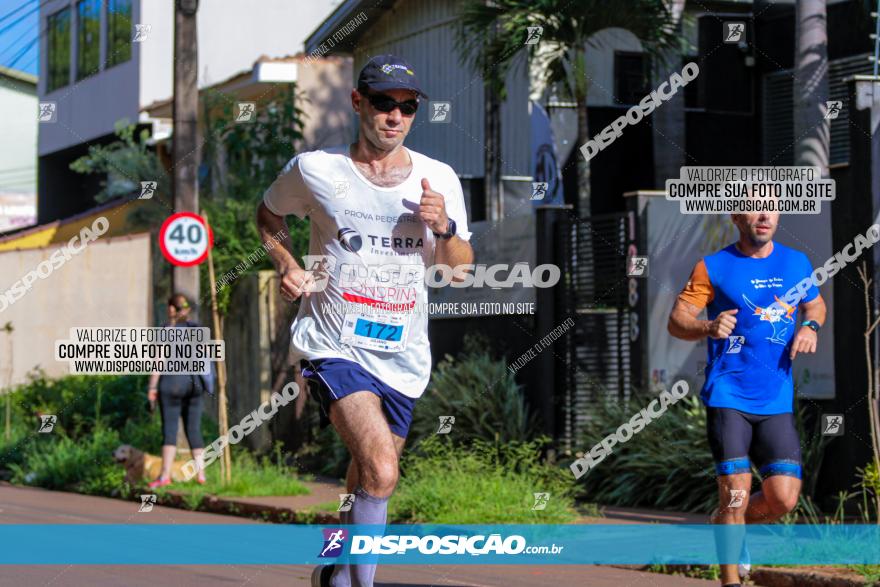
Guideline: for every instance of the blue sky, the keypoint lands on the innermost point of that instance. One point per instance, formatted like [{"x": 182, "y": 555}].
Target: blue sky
[{"x": 18, "y": 42}]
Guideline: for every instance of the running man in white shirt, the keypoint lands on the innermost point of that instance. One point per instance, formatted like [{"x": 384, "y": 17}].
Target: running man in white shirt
[{"x": 380, "y": 214}]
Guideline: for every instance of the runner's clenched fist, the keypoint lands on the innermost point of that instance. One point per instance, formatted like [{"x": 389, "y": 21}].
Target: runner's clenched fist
[
  {"x": 432, "y": 209},
  {"x": 296, "y": 282},
  {"x": 723, "y": 324}
]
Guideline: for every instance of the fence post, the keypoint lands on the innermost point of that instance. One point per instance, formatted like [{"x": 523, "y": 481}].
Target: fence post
[{"x": 549, "y": 223}]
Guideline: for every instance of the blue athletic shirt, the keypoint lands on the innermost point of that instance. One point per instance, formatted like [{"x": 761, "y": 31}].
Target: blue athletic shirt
[{"x": 750, "y": 371}]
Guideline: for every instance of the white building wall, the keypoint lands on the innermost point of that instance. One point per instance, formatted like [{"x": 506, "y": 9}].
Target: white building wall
[
  {"x": 18, "y": 149},
  {"x": 232, "y": 35}
]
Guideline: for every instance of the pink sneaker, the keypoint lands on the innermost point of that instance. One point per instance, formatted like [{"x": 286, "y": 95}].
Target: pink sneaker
[{"x": 159, "y": 483}]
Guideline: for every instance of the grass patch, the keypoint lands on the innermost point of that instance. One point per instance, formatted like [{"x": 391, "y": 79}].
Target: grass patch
[
  {"x": 251, "y": 477},
  {"x": 485, "y": 483}
]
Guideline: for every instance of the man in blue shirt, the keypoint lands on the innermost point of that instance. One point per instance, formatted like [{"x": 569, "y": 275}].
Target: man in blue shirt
[{"x": 752, "y": 291}]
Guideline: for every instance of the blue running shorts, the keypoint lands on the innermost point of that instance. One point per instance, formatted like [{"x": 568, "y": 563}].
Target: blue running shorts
[{"x": 333, "y": 379}]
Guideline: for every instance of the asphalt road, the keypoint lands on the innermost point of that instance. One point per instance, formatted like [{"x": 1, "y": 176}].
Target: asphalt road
[{"x": 36, "y": 506}]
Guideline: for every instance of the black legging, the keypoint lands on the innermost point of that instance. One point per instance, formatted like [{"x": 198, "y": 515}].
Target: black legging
[{"x": 181, "y": 395}]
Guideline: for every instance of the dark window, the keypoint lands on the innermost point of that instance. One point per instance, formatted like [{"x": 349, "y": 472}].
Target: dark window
[
  {"x": 475, "y": 197},
  {"x": 630, "y": 77},
  {"x": 58, "y": 58},
  {"x": 88, "y": 36},
  {"x": 119, "y": 31}
]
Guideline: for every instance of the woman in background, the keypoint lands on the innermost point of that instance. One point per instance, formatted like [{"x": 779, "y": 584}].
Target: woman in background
[{"x": 179, "y": 395}]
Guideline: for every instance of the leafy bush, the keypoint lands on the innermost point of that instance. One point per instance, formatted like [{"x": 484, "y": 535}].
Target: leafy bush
[
  {"x": 82, "y": 401},
  {"x": 484, "y": 482},
  {"x": 59, "y": 462},
  {"x": 666, "y": 465},
  {"x": 482, "y": 395}
]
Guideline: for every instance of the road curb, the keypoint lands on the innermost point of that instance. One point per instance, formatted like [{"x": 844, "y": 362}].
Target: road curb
[
  {"x": 264, "y": 512},
  {"x": 779, "y": 577},
  {"x": 774, "y": 577}
]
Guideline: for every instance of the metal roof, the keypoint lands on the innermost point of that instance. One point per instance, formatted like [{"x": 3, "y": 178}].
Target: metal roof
[{"x": 346, "y": 11}]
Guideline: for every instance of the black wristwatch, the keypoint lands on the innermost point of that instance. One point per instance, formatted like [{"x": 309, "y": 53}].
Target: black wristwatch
[
  {"x": 450, "y": 230},
  {"x": 812, "y": 324}
]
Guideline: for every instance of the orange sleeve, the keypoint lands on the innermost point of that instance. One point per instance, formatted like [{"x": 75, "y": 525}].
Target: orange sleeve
[{"x": 698, "y": 290}]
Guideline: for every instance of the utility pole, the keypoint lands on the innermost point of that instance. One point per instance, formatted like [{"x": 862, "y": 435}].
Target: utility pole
[{"x": 186, "y": 153}]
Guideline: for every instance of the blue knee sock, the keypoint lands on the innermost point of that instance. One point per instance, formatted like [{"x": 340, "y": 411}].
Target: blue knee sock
[
  {"x": 367, "y": 509},
  {"x": 340, "y": 576}
]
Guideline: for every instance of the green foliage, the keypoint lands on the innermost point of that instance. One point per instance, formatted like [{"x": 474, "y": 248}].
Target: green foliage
[
  {"x": 125, "y": 163},
  {"x": 483, "y": 482},
  {"x": 242, "y": 161},
  {"x": 671, "y": 456},
  {"x": 480, "y": 392},
  {"x": 252, "y": 477},
  {"x": 81, "y": 402},
  {"x": 560, "y": 48},
  {"x": 56, "y": 461},
  {"x": 96, "y": 414}
]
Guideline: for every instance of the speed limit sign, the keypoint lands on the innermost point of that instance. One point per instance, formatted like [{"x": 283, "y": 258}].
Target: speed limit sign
[{"x": 185, "y": 239}]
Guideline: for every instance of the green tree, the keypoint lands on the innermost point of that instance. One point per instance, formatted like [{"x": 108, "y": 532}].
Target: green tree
[{"x": 240, "y": 160}]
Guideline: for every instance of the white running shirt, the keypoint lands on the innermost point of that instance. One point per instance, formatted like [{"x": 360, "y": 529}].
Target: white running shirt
[{"x": 360, "y": 226}]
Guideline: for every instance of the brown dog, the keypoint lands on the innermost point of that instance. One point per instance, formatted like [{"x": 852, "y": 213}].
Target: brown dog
[{"x": 143, "y": 467}]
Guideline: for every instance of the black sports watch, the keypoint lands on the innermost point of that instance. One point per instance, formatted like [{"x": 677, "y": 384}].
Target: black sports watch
[
  {"x": 450, "y": 230},
  {"x": 812, "y": 324}
]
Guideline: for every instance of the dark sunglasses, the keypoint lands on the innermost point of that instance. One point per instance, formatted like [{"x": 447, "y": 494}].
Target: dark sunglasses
[{"x": 385, "y": 103}]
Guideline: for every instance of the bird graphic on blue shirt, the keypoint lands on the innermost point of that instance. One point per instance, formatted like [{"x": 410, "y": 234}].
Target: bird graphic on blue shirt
[{"x": 778, "y": 314}]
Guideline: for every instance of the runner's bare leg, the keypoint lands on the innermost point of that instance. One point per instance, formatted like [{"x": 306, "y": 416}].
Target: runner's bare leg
[{"x": 372, "y": 473}]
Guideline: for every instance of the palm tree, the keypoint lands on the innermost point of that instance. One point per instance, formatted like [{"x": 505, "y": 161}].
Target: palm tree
[{"x": 492, "y": 34}]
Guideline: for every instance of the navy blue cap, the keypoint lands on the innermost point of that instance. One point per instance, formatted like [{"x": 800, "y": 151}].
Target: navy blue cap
[{"x": 387, "y": 72}]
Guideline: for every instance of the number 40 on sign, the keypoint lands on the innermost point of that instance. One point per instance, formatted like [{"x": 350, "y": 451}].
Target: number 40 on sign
[{"x": 185, "y": 239}]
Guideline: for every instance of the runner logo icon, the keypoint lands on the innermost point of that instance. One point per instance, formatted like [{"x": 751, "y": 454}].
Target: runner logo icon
[
  {"x": 333, "y": 541},
  {"x": 736, "y": 344}
]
